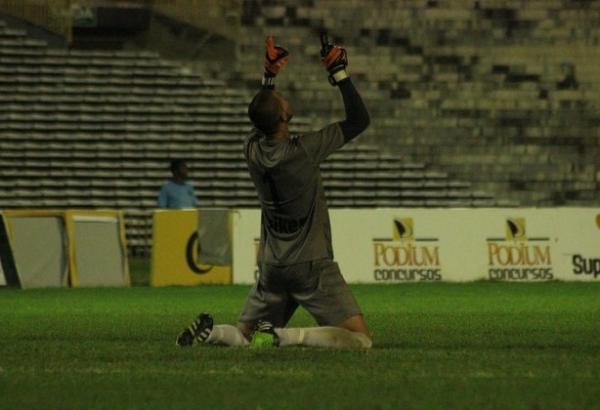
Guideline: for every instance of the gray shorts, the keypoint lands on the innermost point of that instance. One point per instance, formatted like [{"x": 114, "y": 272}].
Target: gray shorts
[{"x": 318, "y": 286}]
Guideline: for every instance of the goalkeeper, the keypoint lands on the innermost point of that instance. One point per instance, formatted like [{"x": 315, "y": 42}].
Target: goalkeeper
[{"x": 295, "y": 256}]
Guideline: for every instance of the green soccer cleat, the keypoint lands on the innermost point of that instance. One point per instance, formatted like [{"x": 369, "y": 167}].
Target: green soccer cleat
[
  {"x": 198, "y": 331},
  {"x": 264, "y": 336}
]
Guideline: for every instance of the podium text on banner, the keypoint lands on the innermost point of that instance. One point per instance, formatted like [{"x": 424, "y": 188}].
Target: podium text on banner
[{"x": 175, "y": 250}]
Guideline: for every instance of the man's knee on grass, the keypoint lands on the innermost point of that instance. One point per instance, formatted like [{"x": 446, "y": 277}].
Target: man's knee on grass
[
  {"x": 340, "y": 337},
  {"x": 356, "y": 324}
]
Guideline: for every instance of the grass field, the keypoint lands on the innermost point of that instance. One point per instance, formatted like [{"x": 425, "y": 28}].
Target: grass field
[{"x": 450, "y": 346}]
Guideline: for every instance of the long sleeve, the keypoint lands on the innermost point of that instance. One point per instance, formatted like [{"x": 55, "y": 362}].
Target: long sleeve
[{"x": 357, "y": 116}]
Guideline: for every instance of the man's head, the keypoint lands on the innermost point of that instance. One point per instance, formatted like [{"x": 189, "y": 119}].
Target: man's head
[
  {"x": 269, "y": 112},
  {"x": 179, "y": 169}
]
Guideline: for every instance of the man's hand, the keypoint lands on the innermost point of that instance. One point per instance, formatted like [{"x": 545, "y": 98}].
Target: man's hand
[
  {"x": 335, "y": 59},
  {"x": 275, "y": 58}
]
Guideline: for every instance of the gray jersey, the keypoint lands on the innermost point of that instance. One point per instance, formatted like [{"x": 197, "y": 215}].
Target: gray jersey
[{"x": 295, "y": 224}]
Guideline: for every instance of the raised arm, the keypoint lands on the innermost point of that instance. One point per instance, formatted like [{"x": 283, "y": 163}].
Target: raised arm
[
  {"x": 335, "y": 60},
  {"x": 357, "y": 118},
  {"x": 275, "y": 58}
]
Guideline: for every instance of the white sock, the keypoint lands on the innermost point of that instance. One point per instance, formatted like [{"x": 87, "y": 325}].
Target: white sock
[
  {"x": 226, "y": 335},
  {"x": 323, "y": 336}
]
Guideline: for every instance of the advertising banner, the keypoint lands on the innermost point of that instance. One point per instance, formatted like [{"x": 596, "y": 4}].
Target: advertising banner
[
  {"x": 395, "y": 246},
  {"x": 579, "y": 246},
  {"x": 175, "y": 250},
  {"x": 429, "y": 245}
]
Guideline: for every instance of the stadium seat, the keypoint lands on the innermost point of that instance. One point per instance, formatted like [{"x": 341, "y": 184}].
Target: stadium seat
[{"x": 95, "y": 129}]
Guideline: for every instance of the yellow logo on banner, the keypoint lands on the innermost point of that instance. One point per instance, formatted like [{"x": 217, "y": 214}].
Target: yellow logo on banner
[
  {"x": 403, "y": 230},
  {"x": 515, "y": 229},
  {"x": 598, "y": 221},
  {"x": 175, "y": 252}
]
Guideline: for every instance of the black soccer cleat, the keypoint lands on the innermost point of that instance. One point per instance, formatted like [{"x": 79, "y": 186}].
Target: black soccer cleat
[
  {"x": 198, "y": 331},
  {"x": 264, "y": 336}
]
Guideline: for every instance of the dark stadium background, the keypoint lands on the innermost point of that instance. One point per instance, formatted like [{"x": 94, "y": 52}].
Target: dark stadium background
[{"x": 473, "y": 103}]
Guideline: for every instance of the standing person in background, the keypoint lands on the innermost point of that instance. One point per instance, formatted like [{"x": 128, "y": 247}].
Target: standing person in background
[{"x": 177, "y": 193}]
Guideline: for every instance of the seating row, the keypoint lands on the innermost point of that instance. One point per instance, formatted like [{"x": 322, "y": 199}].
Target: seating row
[
  {"x": 150, "y": 117},
  {"x": 198, "y": 89},
  {"x": 125, "y": 142},
  {"x": 139, "y": 156},
  {"x": 82, "y": 60},
  {"x": 22, "y": 43},
  {"x": 152, "y": 184},
  {"x": 109, "y": 129},
  {"x": 171, "y": 83},
  {"x": 369, "y": 202},
  {"x": 66, "y": 53},
  {"x": 85, "y": 71},
  {"x": 108, "y": 196},
  {"x": 165, "y": 108},
  {"x": 95, "y": 129},
  {"x": 226, "y": 170}
]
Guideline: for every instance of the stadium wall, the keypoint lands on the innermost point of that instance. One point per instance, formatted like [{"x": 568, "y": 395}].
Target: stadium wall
[
  {"x": 396, "y": 245},
  {"x": 501, "y": 93}
]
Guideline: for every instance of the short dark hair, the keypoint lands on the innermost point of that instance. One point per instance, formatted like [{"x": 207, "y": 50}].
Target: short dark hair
[
  {"x": 175, "y": 164},
  {"x": 265, "y": 111}
]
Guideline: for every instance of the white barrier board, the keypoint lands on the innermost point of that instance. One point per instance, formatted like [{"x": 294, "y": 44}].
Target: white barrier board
[
  {"x": 100, "y": 255},
  {"x": 416, "y": 245},
  {"x": 246, "y": 233},
  {"x": 40, "y": 251}
]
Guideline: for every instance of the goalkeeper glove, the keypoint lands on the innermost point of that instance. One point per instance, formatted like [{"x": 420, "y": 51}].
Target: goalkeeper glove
[
  {"x": 275, "y": 58},
  {"x": 335, "y": 60}
]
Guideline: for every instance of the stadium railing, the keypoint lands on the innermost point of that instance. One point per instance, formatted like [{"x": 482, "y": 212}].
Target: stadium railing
[{"x": 53, "y": 15}]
